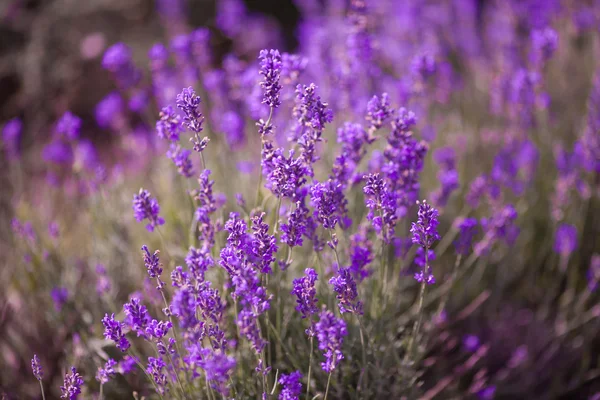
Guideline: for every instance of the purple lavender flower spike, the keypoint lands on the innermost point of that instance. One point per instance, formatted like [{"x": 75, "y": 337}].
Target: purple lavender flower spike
[
  {"x": 292, "y": 231},
  {"x": 329, "y": 202},
  {"x": 181, "y": 159},
  {"x": 499, "y": 227},
  {"x": 291, "y": 388},
  {"x": 153, "y": 265},
  {"x": 424, "y": 231},
  {"x": 347, "y": 294},
  {"x": 218, "y": 367},
  {"x": 304, "y": 289},
  {"x": 169, "y": 124},
  {"x": 36, "y": 367},
  {"x": 382, "y": 204},
  {"x": 544, "y": 43},
  {"x": 59, "y": 295},
  {"x": 247, "y": 323},
  {"x": 113, "y": 330},
  {"x": 107, "y": 372},
  {"x": 108, "y": 110},
  {"x": 270, "y": 69},
  {"x": 68, "y": 127},
  {"x": 117, "y": 60},
  {"x": 189, "y": 103},
  {"x": 155, "y": 370},
  {"x": 71, "y": 388},
  {"x": 146, "y": 207},
  {"x": 566, "y": 240},
  {"x": 264, "y": 246},
  {"x": 330, "y": 334},
  {"x": 292, "y": 65},
  {"x": 378, "y": 111},
  {"x": 467, "y": 229},
  {"x": 11, "y": 138},
  {"x": 137, "y": 316}
]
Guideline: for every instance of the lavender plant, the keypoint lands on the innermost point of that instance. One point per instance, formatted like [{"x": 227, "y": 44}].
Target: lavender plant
[{"x": 239, "y": 296}]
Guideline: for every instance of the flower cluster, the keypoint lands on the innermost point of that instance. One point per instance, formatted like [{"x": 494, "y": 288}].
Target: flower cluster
[
  {"x": 330, "y": 333},
  {"x": 146, "y": 207}
]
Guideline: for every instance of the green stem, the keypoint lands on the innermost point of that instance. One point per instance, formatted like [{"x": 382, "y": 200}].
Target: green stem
[
  {"x": 334, "y": 247},
  {"x": 327, "y": 388},
  {"x": 147, "y": 376},
  {"x": 452, "y": 279},
  {"x": 417, "y": 325},
  {"x": 276, "y": 225},
  {"x": 100, "y": 396},
  {"x": 44, "y": 395},
  {"x": 309, "y": 368}
]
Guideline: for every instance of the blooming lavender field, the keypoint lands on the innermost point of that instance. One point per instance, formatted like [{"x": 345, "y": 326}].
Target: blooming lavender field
[{"x": 401, "y": 202}]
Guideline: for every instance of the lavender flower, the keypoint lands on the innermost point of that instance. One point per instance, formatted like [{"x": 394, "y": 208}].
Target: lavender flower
[
  {"x": 467, "y": 229},
  {"x": 11, "y": 138},
  {"x": 72, "y": 385},
  {"x": 499, "y": 227},
  {"x": 304, "y": 289},
  {"x": 330, "y": 334},
  {"x": 181, "y": 159},
  {"x": 270, "y": 69},
  {"x": 189, "y": 103},
  {"x": 347, "y": 294},
  {"x": 291, "y": 388},
  {"x": 311, "y": 115},
  {"x": 329, "y": 203},
  {"x": 59, "y": 295},
  {"x": 544, "y": 43},
  {"x": 361, "y": 255},
  {"x": 378, "y": 111},
  {"x": 68, "y": 127},
  {"x": 154, "y": 369},
  {"x": 152, "y": 262},
  {"x": 169, "y": 124},
  {"x": 381, "y": 203},
  {"x": 117, "y": 60},
  {"x": 593, "y": 274},
  {"x": 248, "y": 325},
  {"x": 37, "y": 368},
  {"x": 146, "y": 207},
  {"x": 264, "y": 246},
  {"x": 292, "y": 65},
  {"x": 137, "y": 316},
  {"x": 218, "y": 367},
  {"x": 105, "y": 374},
  {"x": 108, "y": 110},
  {"x": 286, "y": 175},
  {"x": 566, "y": 240},
  {"x": 424, "y": 231},
  {"x": 292, "y": 231},
  {"x": 113, "y": 330},
  {"x": 198, "y": 261}
]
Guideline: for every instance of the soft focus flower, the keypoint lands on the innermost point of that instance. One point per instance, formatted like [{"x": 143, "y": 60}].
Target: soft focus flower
[
  {"x": 11, "y": 138},
  {"x": 181, "y": 159},
  {"x": 347, "y": 294},
  {"x": 107, "y": 372},
  {"x": 59, "y": 295},
  {"x": 37, "y": 368},
  {"x": 146, "y": 207},
  {"x": 169, "y": 124},
  {"x": 467, "y": 228},
  {"x": 155, "y": 370},
  {"x": 565, "y": 241},
  {"x": 117, "y": 59},
  {"x": 330, "y": 334}
]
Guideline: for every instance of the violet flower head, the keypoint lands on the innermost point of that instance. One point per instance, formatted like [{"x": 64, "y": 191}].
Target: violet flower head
[
  {"x": 137, "y": 316},
  {"x": 270, "y": 69},
  {"x": 499, "y": 227},
  {"x": 565, "y": 240},
  {"x": 113, "y": 330},
  {"x": 378, "y": 111},
  {"x": 347, "y": 294},
  {"x": 424, "y": 231},
  {"x": 593, "y": 274},
  {"x": 198, "y": 261},
  {"x": 11, "y": 138},
  {"x": 287, "y": 174},
  {"x": 544, "y": 43},
  {"x": 330, "y": 334},
  {"x": 59, "y": 295},
  {"x": 424, "y": 65},
  {"x": 183, "y": 305},
  {"x": 108, "y": 110},
  {"x": 263, "y": 246},
  {"x": 248, "y": 326},
  {"x": 304, "y": 289},
  {"x": 361, "y": 255},
  {"x": 310, "y": 111},
  {"x": 36, "y": 367},
  {"x": 329, "y": 203},
  {"x": 117, "y": 59},
  {"x": 467, "y": 229},
  {"x": 181, "y": 159},
  {"x": 382, "y": 205},
  {"x": 291, "y": 388},
  {"x": 292, "y": 65},
  {"x": 155, "y": 370},
  {"x": 152, "y": 263},
  {"x": 72, "y": 385},
  {"x": 68, "y": 127},
  {"x": 189, "y": 103},
  {"x": 169, "y": 124},
  {"x": 218, "y": 367},
  {"x": 146, "y": 207},
  {"x": 107, "y": 372},
  {"x": 295, "y": 227}
]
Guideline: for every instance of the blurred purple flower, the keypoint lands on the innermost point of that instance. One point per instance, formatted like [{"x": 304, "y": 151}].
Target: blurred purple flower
[
  {"x": 304, "y": 289},
  {"x": 59, "y": 295},
  {"x": 11, "y": 138},
  {"x": 169, "y": 124},
  {"x": 565, "y": 241},
  {"x": 146, "y": 207},
  {"x": 330, "y": 333},
  {"x": 467, "y": 229},
  {"x": 117, "y": 59},
  {"x": 181, "y": 159},
  {"x": 105, "y": 374}
]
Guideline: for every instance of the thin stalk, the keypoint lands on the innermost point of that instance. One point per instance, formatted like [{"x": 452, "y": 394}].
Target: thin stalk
[
  {"x": 44, "y": 395},
  {"x": 203, "y": 161},
  {"x": 260, "y": 173},
  {"x": 101, "y": 395},
  {"x": 337, "y": 258},
  {"x": 364, "y": 352},
  {"x": 176, "y": 374},
  {"x": 417, "y": 325},
  {"x": 147, "y": 376},
  {"x": 327, "y": 388},
  {"x": 309, "y": 368},
  {"x": 276, "y": 225}
]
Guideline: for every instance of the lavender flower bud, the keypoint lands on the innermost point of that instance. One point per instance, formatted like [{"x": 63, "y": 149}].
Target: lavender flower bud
[
  {"x": 146, "y": 207},
  {"x": 72, "y": 385},
  {"x": 113, "y": 330},
  {"x": 291, "y": 388},
  {"x": 330, "y": 334},
  {"x": 304, "y": 289},
  {"x": 37, "y": 368},
  {"x": 347, "y": 294},
  {"x": 270, "y": 69}
]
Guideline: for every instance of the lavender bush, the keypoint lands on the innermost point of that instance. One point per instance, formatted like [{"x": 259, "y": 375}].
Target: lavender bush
[{"x": 407, "y": 206}]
